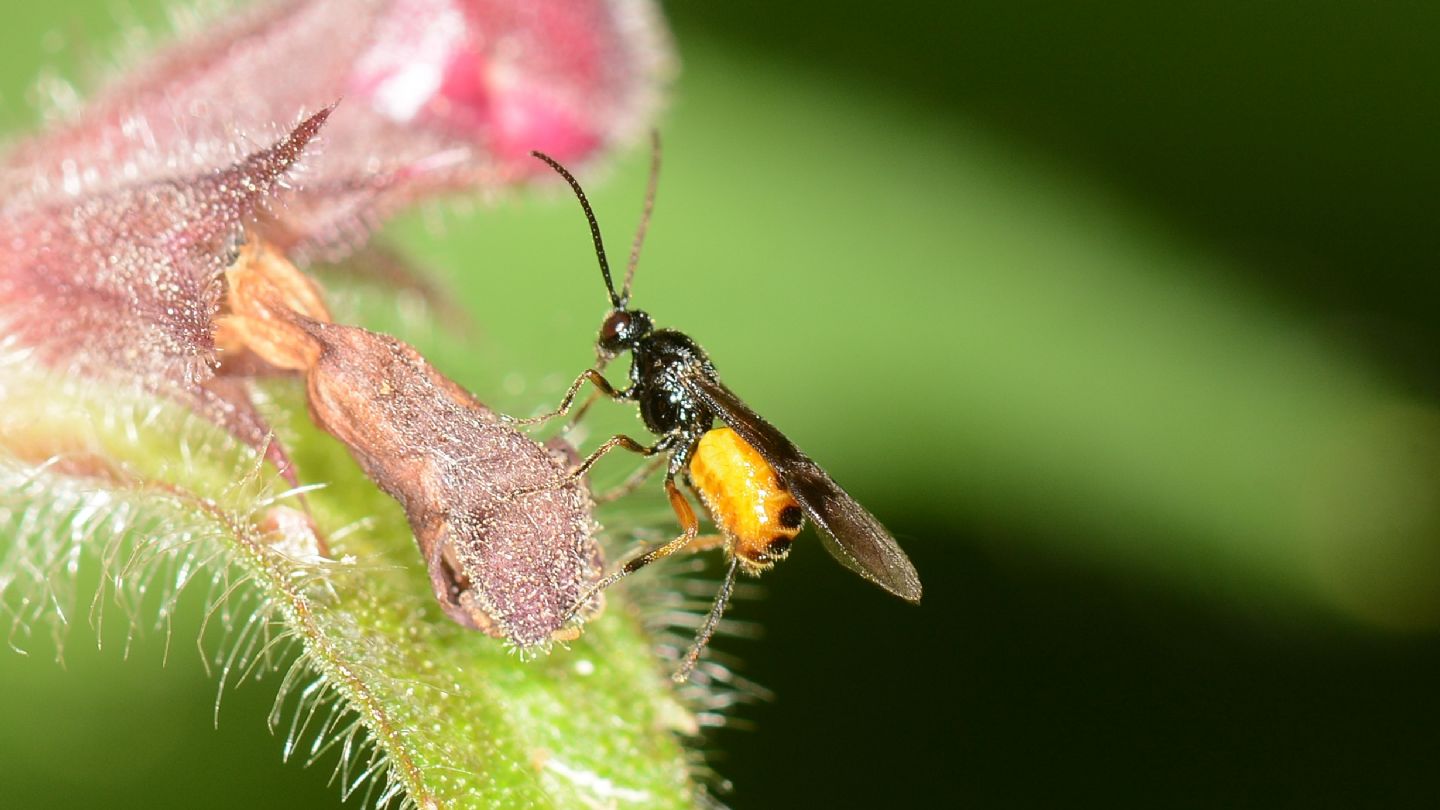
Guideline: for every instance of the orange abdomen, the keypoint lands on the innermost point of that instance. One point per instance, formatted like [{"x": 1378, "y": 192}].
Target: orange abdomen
[{"x": 745, "y": 498}]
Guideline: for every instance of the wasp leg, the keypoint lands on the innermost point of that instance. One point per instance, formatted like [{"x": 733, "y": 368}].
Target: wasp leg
[
  {"x": 691, "y": 529},
  {"x": 595, "y": 378},
  {"x": 601, "y": 361},
  {"x": 632, "y": 483},
  {"x": 613, "y": 442},
  {"x": 712, "y": 621},
  {"x": 707, "y": 542},
  {"x": 689, "y": 524},
  {"x": 619, "y": 440},
  {"x": 579, "y": 413}
]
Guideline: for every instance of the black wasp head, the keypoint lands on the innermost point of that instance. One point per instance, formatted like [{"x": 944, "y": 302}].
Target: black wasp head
[{"x": 622, "y": 329}]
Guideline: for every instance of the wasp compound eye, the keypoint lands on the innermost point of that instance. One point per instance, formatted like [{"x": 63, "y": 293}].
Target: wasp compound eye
[
  {"x": 621, "y": 329},
  {"x": 614, "y": 330}
]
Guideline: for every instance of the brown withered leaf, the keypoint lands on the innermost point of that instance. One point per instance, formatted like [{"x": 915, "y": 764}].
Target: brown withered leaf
[
  {"x": 504, "y": 528},
  {"x": 513, "y": 565}
]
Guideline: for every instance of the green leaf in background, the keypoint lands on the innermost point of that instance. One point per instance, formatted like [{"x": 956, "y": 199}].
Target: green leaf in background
[
  {"x": 1008, "y": 343},
  {"x": 1017, "y": 365}
]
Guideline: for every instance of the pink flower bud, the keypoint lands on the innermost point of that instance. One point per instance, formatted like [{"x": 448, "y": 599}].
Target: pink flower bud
[
  {"x": 435, "y": 96},
  {"x": 127, "y": 281}
]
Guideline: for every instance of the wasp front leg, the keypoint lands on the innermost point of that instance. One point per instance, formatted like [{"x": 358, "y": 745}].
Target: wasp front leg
[
  {"x": 625, "y": 442},
  {"x": 594, "y": 377},
  {"x": 620, "y": 440}
]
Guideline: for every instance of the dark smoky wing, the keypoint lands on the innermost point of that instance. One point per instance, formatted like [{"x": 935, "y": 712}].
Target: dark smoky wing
[{"x": 850, "y": 533}]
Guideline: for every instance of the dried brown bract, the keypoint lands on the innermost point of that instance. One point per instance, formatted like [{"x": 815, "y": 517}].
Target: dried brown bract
[{"x": 507, "y": 552}]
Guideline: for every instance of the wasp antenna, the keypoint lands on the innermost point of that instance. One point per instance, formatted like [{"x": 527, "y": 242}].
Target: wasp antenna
[
  {"x": 615, "y": 300},
  {"x": 712, "y": 621},
  {"x": 644, "y": 217}
]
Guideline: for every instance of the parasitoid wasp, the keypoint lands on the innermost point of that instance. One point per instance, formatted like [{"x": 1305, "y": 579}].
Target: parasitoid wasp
[{"x": 756, "y": 484}]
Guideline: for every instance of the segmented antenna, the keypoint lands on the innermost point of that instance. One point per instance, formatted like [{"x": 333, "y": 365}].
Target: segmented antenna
[
  {"x": 615, "y": 300},
  {"x": 644, "y": 217}
]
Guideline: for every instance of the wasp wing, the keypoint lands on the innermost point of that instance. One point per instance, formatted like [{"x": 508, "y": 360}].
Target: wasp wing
[{"x": 850, "y": 533}]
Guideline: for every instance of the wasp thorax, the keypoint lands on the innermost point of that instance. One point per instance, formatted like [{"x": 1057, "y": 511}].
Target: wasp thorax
[{"x": 622, "y": 329}]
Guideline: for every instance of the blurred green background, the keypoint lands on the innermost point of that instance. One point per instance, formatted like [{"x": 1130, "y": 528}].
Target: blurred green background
[{"x": 1120, "y": 316}]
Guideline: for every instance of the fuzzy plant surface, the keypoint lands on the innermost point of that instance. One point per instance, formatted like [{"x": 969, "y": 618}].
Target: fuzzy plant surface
[
  {"x": 406, "y": 704},
  {"x": 140, "y": 445}
]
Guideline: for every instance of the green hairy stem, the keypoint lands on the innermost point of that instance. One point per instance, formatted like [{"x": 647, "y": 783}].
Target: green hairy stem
[{"x": 415, "y": 710}]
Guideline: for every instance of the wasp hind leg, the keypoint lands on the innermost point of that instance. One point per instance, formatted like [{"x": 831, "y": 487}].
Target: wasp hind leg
[
  {"x": 712, "y": 621},
  {"x": 690, "y": 526}
]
